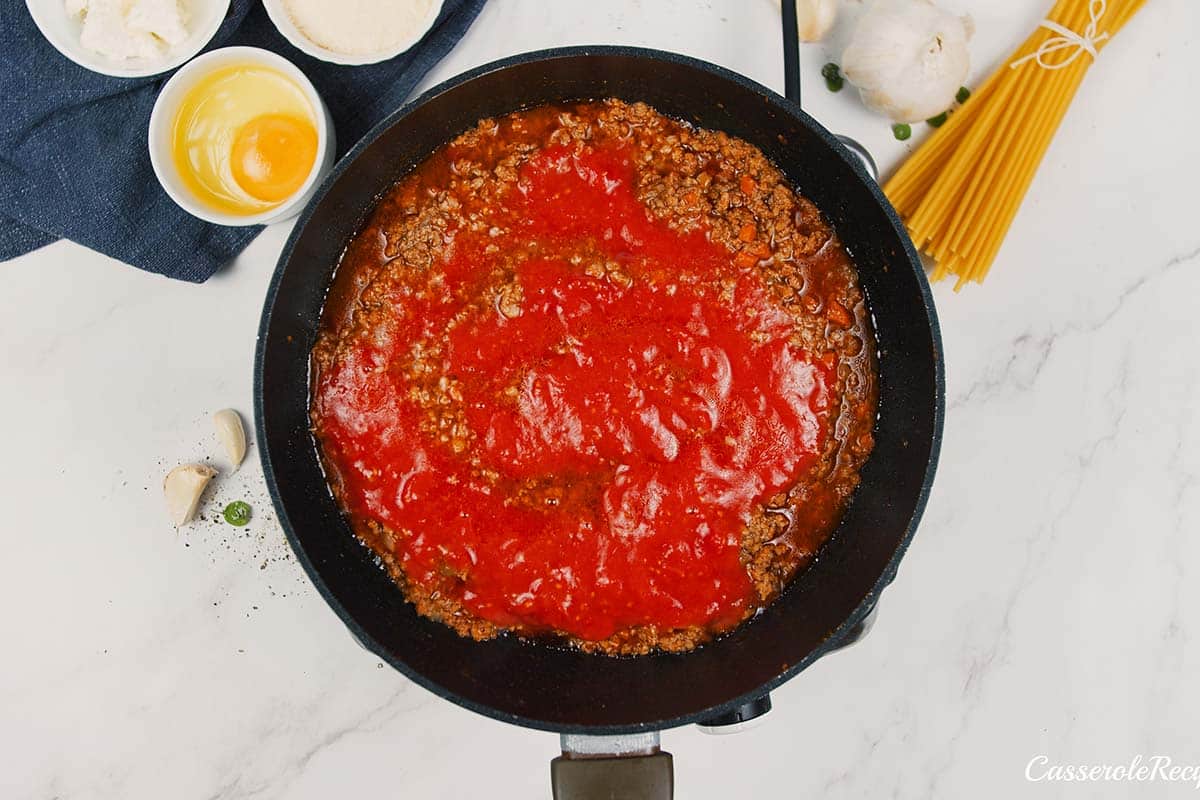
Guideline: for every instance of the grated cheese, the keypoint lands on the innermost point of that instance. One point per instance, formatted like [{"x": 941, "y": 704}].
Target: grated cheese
[{"x": 358, "y": 27}]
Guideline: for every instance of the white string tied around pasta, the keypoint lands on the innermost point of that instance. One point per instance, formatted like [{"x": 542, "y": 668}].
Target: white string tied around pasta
[{"x": 1067, "y": 38}]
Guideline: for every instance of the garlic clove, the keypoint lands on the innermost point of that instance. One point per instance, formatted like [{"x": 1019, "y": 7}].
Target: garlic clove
[
  {"x": 231, "y": 434},
  {"x": 183, "y": 487},
  {"x": 814, "y": 18}
]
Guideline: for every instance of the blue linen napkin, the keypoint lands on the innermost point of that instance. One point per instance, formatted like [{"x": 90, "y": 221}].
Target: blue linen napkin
[{"x": 73, "y": 158}]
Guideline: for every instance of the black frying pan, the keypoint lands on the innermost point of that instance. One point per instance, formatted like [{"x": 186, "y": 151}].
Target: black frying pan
[{"x": 533, "y": 684}]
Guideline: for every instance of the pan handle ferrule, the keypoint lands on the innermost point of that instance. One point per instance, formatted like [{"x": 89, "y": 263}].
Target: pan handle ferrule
[{"x": 581, "y": 745}]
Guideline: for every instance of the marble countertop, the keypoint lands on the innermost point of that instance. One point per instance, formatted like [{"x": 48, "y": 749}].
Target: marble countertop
[{"x": 1050, "y": 604}]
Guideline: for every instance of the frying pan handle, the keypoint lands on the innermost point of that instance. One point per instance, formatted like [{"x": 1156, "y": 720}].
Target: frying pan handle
[
  {"x": 603, "y": 767},
  {"x": 626, "y": 777},
  {"x": 791, "y": 81},
  {"x": 791, "y": 52}
]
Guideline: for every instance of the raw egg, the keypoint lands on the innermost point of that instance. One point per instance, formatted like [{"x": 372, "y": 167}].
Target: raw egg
[
  {"x": 272, "y": 155},
  {"x": 244, "y": 139}
]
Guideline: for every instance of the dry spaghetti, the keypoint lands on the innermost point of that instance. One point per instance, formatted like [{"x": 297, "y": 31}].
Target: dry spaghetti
[{"x": 959, "y": 192}]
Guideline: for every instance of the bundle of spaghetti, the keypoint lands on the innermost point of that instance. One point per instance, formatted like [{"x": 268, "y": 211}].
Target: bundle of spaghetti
[{"x": 959, "y": 192}]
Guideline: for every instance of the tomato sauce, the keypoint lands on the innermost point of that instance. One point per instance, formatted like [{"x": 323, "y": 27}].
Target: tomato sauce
[
  {"x": 592, "y": 373},
  {"x": 600, "y": 438}
]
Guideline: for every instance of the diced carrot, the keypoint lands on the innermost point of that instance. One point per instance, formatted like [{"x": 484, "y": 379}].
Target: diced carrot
[
  {"x": 744, "y": 259},
  {"x": 762, "y": 250},
  {"x": 747, "y": 185},
  {"x": 747, "y": 232},
  {"x": 838, "y": 315},
  {"x": 692, "y": 198}
]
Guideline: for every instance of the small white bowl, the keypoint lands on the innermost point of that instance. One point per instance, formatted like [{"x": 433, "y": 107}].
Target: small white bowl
[
  {"x": 62, "y": 31},
  {"x": 162, "y": 119},
  {"x": 283, "y": 21}
]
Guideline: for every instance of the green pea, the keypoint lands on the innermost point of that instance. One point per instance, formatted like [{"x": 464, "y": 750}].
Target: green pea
[
  {"x": 937, "y": 121},
  {"x": 237, "y": 513},
  {"x": 901, "y": 130},
  {"x": 833, "y": 77},
  {"x": 963, "y": 94}
]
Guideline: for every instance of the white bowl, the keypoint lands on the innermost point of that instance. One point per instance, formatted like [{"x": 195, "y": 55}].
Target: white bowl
[
  {"x": 283, "y": 21},
  {"x": 162, "y": 119},
  {"x": 62, "y": 31}
]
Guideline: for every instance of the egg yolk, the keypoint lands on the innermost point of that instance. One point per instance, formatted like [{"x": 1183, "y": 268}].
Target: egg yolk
[{"x": 272, "y": 156}]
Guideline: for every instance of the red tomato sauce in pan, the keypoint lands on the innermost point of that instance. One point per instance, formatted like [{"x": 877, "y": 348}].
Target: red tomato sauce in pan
[{"x": 568, "y": 418}]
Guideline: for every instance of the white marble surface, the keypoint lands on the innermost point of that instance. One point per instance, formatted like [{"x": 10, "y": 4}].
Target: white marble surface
[{"x": 1050, "y": 603}]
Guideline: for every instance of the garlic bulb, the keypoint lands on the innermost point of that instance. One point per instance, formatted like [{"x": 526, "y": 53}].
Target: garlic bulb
[
  {"x": 908, "y": 58},
  {"x": 231, "y": 434},
  {"x": 183, "y": 487},
  {"x": 814, "y": 18}
]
